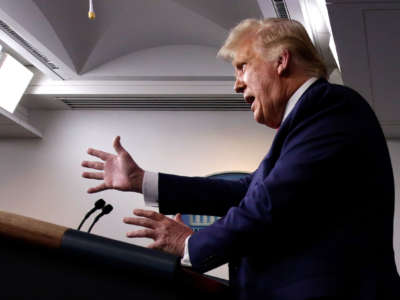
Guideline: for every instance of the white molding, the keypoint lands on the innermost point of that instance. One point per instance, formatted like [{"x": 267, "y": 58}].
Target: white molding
[
  {"x": 19, "y": 128},
  {"x": 131, "y": 88}
]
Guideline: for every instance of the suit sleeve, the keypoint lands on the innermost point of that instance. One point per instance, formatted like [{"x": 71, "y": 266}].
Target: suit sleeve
[
  {"x": 295, "y": 202},
  {"x": 200, "y": 195}
]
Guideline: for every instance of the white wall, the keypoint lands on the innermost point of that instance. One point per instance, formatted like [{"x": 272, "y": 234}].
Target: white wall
[{"x": 42, "y": 178}]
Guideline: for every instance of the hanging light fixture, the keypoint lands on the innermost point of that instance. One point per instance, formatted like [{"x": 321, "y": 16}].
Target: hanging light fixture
[{"x": 91, "y": 13}]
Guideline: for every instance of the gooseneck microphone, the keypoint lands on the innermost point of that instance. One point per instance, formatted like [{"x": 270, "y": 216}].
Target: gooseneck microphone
[
  {"x": 98, "y": 205},
  {"x": 106, "y": 210}
]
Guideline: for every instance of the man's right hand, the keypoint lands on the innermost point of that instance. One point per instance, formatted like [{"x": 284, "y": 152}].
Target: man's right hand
[{"x": 120, "y": 172}]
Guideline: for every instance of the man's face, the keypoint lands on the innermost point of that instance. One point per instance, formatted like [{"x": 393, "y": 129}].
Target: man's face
[{"x": 261, "y": 85}]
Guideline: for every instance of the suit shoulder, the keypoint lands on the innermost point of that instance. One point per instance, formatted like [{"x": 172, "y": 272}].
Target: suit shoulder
[
  {"x": 323, "y": 95},
  {"x": 344, "y": 93},
  {"x": 337, "y": 104}
]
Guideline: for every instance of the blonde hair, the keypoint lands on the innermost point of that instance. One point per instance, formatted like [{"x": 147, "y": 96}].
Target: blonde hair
[{"x": 270, "y": 37}]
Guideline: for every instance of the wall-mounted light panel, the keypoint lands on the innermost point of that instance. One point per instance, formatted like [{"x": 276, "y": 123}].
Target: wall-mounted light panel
[{"x": 14, "y": 79}]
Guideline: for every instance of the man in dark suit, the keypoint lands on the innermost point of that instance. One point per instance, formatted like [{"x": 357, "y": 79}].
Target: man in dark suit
[{"x": 315, "y": 220}]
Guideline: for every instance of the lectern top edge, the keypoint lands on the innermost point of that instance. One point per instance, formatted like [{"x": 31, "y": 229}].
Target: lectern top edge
[{"x": 31, "y": 230}]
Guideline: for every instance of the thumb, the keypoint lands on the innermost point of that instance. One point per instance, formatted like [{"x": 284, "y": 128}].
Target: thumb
[
  {"x": 178, "y": 218},
  {"x": 117, "y": 145}
]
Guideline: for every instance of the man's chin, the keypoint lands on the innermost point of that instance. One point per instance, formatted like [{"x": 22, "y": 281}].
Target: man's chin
[
  {"x": 258, "y": 118},
  {"x": 272, "y": 125}
]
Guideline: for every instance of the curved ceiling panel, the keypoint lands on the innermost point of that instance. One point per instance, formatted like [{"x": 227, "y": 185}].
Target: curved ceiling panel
[
  {"x": 126, "y": 26},
  {"x": 166, "y": 61}
]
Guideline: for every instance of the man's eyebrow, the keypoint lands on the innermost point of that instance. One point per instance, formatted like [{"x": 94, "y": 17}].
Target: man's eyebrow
[{"x": 238, "y": 63}]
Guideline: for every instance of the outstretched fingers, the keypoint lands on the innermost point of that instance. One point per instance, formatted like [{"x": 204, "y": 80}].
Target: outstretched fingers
[
  {"x": 169, "y": 235},
  {"x": 149, "y": 214},
  {"x": 140, "y": 222},
  {"x": 93, "y": 165},
  {"x": 117, "y": 145},
  {"x": 142, "y": 233},
  {"x": 98, "y": 188},
  {"x": 178, "y": 218},
  {"x": 93, "y": 175},
  {"x": 98, "y": 153},
  {"x": 148, "y": 219}
]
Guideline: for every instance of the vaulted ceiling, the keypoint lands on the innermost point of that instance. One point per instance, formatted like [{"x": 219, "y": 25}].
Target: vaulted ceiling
[
  {"x": 127, "y": 26},
  {"x": 139, "y": 44}
]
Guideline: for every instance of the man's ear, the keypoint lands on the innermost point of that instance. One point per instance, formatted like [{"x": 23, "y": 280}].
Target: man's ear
[{"x": 283, "y": 62}]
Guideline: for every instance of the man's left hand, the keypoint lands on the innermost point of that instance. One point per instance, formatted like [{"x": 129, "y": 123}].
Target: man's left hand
[{"x": 169, "y": 235}]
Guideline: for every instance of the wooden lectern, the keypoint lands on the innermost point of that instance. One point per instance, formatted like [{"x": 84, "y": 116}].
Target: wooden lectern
[{"x": 40, "y": 260}]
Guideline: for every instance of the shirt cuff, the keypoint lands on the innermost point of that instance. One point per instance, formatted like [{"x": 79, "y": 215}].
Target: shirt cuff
[
  {"x": 150, "y": 188},
  {"x": 185, "y": 261}
]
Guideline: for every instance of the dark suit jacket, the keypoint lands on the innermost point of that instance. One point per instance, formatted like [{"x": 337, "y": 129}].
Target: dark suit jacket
[{"x": 315, "y": 219}]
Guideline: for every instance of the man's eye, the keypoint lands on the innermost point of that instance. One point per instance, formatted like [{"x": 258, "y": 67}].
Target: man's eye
[{"x": 241, "y": 67}]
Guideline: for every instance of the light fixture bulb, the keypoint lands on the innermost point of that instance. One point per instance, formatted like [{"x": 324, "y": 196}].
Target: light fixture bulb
[{"x": 91, "y": 13}]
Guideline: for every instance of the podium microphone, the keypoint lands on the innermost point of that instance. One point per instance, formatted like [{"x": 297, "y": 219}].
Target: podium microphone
[
  {"x": 106, "y": 210},
  {"x": 98, "y": 205}
]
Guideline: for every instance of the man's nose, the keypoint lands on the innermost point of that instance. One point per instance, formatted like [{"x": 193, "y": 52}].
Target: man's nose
[{"x": 239, "y": 86}]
